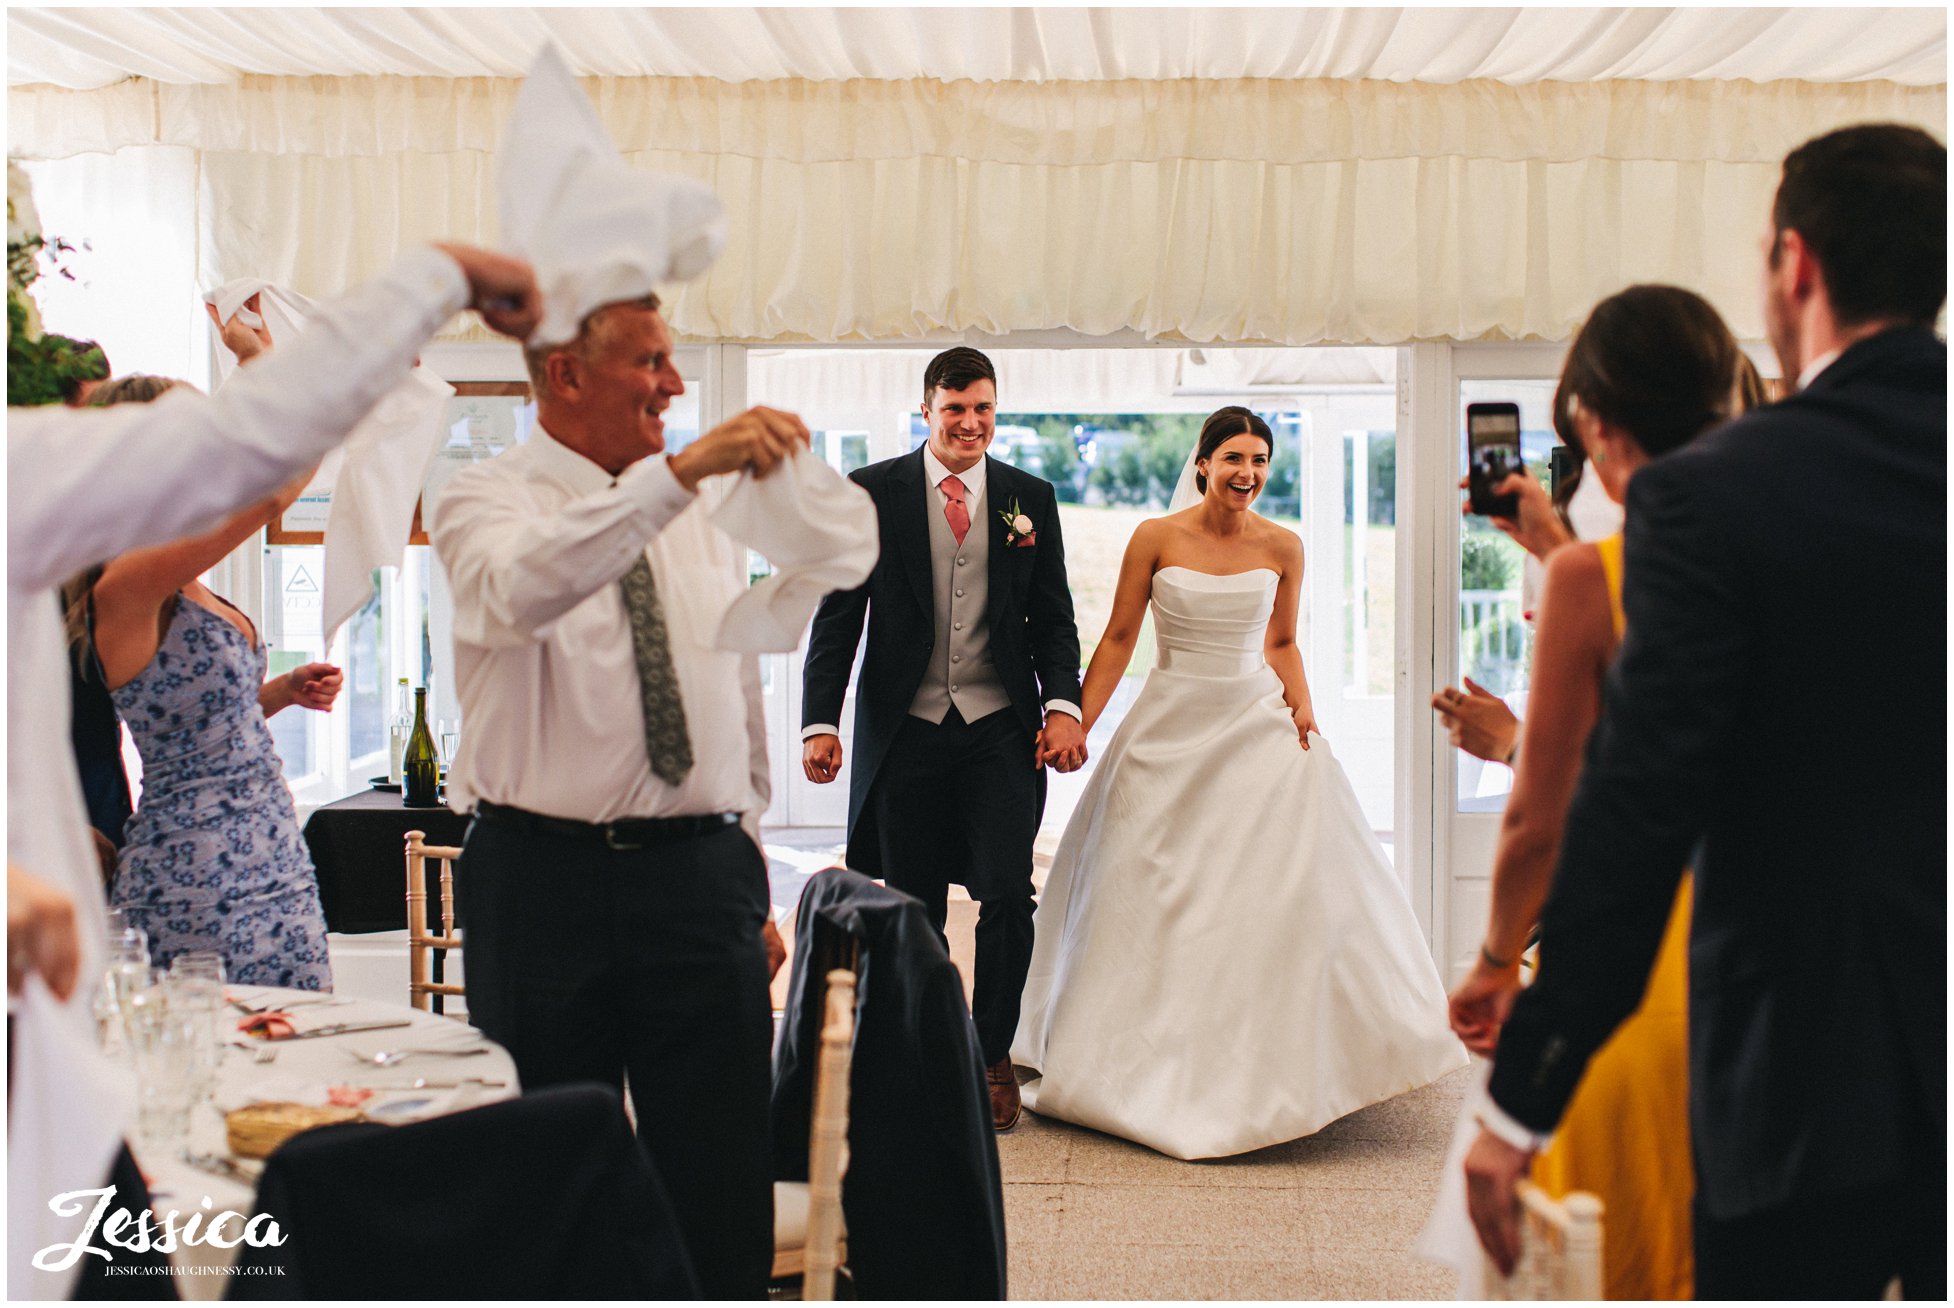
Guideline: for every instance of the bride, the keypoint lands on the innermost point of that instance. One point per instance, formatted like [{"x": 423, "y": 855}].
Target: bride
[{"x": 1224, "y": 958}]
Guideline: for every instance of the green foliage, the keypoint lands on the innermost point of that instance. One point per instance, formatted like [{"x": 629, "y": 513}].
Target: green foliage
[{"x": 1487, "y": 561}]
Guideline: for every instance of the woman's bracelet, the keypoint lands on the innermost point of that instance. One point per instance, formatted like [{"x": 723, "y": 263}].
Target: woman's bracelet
[{"x": 1497, "y": 964}]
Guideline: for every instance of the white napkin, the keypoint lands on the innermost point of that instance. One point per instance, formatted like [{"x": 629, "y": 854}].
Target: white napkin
[
  {"x": 816, "y": 527},
  {"x": 1448, "y": 1237},
  {"x": 374, "y": 477},
  {"x": 595, "y": 229},
  {"x": 69, "y": 1107}
]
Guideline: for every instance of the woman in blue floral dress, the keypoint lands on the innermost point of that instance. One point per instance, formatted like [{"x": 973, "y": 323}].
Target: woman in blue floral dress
[{"x": 214, "y": 858}]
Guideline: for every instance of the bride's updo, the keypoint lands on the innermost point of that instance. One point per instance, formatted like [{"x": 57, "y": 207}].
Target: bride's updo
[{"x": 1221, "y": 424}]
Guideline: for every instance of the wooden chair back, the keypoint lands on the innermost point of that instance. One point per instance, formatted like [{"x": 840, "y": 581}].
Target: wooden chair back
[
  {"x": 1560, "y": 1249},
  {"x": 827, "y": 1154},
  {"x": 427, "y": 950}
]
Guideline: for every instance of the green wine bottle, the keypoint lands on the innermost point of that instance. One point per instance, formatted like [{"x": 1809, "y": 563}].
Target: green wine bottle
[{"x": 420, "y": 765}]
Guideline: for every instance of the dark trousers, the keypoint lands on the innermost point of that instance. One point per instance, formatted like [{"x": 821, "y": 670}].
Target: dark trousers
[
  {"x": 957, "y": 804},
  {"x": 589, "y": 963},
  {"x": 1845, "y": 1245}
]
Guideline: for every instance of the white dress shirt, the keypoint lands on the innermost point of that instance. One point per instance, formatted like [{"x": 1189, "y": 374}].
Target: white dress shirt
[
  {"x": 974, "y": 479},
  {"x": 84, "y": 485},
  {"x": 535, "y": 542}
]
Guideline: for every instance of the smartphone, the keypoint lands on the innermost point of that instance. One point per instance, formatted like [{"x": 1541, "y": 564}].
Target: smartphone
[
  {"x": 1561, "y": 465},
  {"x": 1492, "y": 455}
]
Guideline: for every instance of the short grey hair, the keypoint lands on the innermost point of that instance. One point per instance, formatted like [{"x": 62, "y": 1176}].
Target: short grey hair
[{"x": 590, "y": 335}]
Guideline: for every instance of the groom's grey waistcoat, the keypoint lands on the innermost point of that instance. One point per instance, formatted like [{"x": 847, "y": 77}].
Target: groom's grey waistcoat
[{"x": 960, "y": 669}]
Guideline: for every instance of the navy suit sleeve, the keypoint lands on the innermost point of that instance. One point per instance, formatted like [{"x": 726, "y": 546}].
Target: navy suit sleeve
[
  {"x": 1052, "y": 634},
  {"x": 1647, "y": 787},
  {"x": 831, "y": 645}
]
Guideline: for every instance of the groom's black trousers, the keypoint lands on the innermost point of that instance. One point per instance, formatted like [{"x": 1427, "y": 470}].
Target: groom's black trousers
[{"x": 957, "y": 804}]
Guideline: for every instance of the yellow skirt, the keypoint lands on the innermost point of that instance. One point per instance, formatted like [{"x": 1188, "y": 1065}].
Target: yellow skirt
[{"x": 1625, "y": 1137}]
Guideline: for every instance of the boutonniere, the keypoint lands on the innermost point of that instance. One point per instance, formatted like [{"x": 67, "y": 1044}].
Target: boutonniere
[{"x": 1018, "y": 529}]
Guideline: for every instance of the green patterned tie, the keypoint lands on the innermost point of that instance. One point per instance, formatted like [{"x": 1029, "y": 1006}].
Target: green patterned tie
[{"x": 666, "y": 741}]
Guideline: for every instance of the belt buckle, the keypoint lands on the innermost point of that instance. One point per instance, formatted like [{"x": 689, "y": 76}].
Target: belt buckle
[{"x": 612, "y": 842}]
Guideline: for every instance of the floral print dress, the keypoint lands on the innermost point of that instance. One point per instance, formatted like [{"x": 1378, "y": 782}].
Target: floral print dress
[{"x": 214, "y": 859}]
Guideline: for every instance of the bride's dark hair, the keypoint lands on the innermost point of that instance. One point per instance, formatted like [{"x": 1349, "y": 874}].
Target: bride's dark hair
[{"x": 1223, "y": 423}]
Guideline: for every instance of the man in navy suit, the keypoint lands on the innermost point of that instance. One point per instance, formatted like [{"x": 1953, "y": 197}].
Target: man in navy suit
[
  {"x": 969, "y": 688},
  {"x": 1776, "y": 719}
]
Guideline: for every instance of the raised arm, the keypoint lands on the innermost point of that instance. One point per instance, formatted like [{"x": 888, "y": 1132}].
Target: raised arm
[
  {"x": 1279, "y": 643},
  {"x": 1573, "y": 643},
  {"x": 515, "y": 573},
  {"x": 86, "y": 485},
  {"x": 1115, "y": 649}
]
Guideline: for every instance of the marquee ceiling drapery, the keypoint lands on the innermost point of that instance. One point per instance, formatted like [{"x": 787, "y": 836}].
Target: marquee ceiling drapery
[
  {"x": 1293, "y": 208},
  {"x": 85, "y": 48}
]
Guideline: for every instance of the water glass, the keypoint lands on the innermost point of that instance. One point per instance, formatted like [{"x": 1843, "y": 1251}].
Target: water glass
[
  {"x": 164, "y": 1037},
  {"x": 197, "y": 987}
]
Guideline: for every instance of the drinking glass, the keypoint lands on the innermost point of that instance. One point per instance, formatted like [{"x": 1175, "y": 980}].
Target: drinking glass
[
  {"x": 163, "y": 1037},
  {"x": 449, "y": 732},
  {"x": 197, "y": 986}
]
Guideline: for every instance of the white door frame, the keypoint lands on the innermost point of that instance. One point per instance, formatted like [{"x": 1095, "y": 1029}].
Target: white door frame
[{"x": 1457, "y": 846}]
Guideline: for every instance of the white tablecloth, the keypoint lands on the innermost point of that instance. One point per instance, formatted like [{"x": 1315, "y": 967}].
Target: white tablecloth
[{"x": 303, "y": 1070}]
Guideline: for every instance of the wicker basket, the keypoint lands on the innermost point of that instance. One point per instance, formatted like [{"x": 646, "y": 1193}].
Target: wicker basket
[{"x": 257, "y": 1129}]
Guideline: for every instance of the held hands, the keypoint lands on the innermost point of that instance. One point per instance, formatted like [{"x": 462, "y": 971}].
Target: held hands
[
  {"x": 1478, "y": 1007},
  {"x": 760, "y": 439},
  {"x": 821, "y": 758},
  {"x": 500, "y": 288},
  {"x": 1493, "y": 1170},
  {"x": 1479, "y": 721},
  {"x": 1061, "y": 745},
  {"x": 247, "y": 343},
  {"x": 1538, "y": 529}
]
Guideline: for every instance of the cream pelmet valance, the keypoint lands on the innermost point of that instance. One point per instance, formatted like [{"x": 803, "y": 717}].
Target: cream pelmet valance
[{"x": 1290, "y": 211}]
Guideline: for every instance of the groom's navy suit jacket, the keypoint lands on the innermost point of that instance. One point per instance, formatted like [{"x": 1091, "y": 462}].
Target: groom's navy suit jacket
[
  {"x": 1033, "y": 639},
  {"x": 1776, "y": 716}
]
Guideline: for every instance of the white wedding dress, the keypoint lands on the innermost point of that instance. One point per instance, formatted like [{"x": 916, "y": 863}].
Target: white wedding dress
[{"x": 1224, "y": 957}]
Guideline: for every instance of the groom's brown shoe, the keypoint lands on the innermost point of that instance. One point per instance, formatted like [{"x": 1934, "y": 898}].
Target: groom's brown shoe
[{"x": 1006, "y": 1106}]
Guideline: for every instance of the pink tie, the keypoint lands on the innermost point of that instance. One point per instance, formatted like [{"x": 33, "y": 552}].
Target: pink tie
[{"x": 954, "y": 511}]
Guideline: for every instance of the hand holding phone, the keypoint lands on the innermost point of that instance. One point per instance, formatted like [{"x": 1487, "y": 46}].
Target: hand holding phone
[{"x": 1492, "y": 455}]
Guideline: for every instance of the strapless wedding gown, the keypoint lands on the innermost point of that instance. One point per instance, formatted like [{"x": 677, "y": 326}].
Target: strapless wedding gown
[{"x": 1225, "y": 958}]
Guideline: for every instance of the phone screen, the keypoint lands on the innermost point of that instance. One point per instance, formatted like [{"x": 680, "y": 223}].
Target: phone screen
[{"x": 1493, "y": 454}]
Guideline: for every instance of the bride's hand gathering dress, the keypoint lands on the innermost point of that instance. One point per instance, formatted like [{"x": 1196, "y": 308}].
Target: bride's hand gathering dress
[{"x": 1225, "y": 958}]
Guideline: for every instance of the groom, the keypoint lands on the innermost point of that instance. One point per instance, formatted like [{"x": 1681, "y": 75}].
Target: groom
[{"x": 970, "y": 686}]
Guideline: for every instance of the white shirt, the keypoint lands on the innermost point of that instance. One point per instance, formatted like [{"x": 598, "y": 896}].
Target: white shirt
[
  {"x": 535, "y": 542},
  {"x": 84, "y": 485},
  {"x": 974, "y": 479},
  {"x": 1816, "y": 366}
]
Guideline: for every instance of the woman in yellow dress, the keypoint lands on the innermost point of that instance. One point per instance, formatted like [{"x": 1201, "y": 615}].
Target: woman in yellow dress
[{"x": 1653, "y": 368}]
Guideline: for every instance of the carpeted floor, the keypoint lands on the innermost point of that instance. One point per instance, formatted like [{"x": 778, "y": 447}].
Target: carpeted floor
[{"x": 1330, "y": 1217}]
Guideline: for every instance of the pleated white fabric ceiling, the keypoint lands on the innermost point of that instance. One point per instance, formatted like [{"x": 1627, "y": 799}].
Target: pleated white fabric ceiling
[{"x": 84, "y": 48}]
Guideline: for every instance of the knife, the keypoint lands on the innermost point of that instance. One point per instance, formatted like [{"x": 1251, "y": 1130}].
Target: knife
[{"x": 338, "y": 1028}]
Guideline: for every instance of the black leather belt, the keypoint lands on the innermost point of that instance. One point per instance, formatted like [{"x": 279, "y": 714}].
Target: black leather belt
[{"x": 631, "y": 833}]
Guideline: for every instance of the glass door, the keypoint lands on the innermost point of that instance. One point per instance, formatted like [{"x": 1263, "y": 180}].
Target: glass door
[{"x": 1482, "y": 624}]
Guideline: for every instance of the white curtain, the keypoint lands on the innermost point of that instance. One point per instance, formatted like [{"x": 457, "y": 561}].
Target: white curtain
[{"x": 1290, "y": 212}]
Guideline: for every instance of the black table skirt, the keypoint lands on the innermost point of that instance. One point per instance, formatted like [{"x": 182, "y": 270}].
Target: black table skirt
[{"x": 359, "y": 846}]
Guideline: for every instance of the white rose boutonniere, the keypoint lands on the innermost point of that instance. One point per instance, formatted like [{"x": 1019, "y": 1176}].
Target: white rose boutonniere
[{"x": 1019, "y": 531}]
